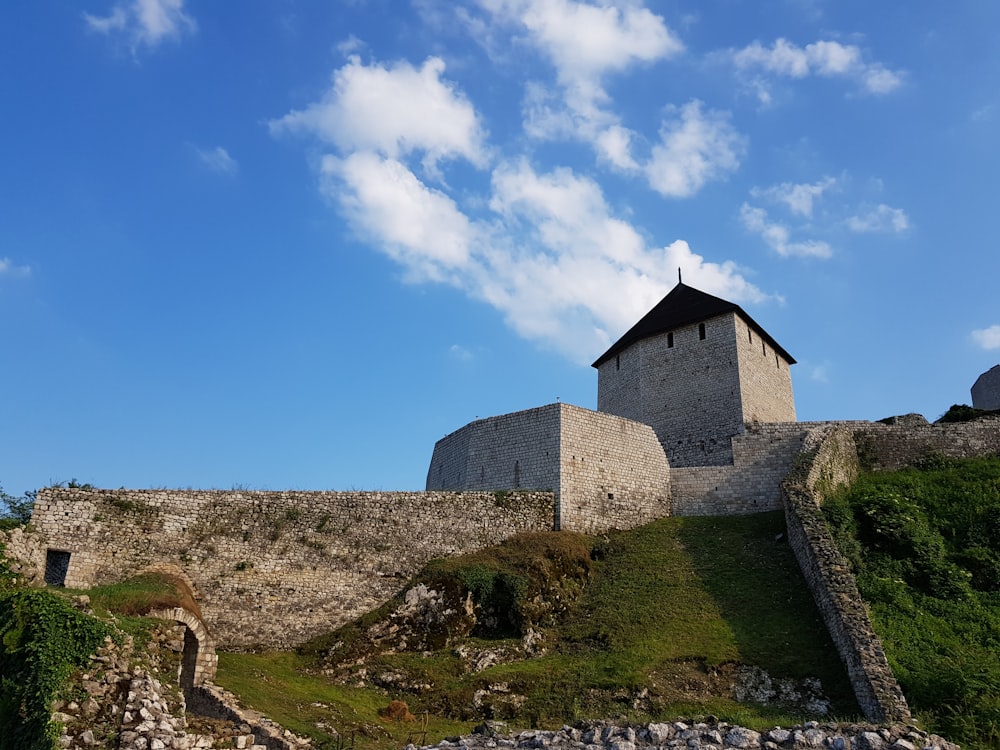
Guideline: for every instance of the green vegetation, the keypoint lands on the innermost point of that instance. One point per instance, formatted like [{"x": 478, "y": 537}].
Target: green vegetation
[
  {"x": 16, "y": 511},
  {"x": 646, "y": 624},
  {"x": 140, "y": 594},
  {"x": 925, "y": 547},
  {"x": 965, "y": 413},
  {"x": 42, "y": 638}
]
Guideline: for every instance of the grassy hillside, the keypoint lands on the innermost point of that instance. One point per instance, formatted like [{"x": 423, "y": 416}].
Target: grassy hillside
[
  {"x": 657, "y": 622},
  {"x": 925, "y": 547}
]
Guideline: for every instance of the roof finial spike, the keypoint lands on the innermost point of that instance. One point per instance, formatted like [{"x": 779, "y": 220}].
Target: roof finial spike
[{"x": 679, "y": 280}]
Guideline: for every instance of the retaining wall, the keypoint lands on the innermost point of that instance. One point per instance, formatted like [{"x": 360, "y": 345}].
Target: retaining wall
[
  {"x": 274, "y": 568},
  {"x": 832, "y": 456}
]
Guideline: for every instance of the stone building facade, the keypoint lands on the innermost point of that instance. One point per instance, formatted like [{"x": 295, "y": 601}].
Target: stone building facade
[{"x": 986, "y": 390}]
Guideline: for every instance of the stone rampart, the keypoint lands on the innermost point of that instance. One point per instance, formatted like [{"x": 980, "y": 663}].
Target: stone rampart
[
  {"x": 884, "y": 447},
  {"x": 273, "y": 568},
  {"x": 762, "y": 458},
  {"x": 606, "y": 471}
]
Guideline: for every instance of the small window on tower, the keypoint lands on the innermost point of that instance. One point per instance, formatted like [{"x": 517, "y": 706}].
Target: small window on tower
[
  {"x": 749, "y": 335},
  {"x": 701, "y": 331},
  {"x": 618, "y": 361},
  {"x": 670, "y": 340}
]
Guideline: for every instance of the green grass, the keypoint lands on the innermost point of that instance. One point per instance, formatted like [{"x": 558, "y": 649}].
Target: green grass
[
  {"x": 648, "y": 624},
  {"x": 139, "y": 595},
  {"x": 925, "y": 547},
  {"x": 281, "y": 685}
]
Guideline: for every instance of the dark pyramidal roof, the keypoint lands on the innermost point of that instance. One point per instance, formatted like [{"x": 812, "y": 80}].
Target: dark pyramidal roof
[{"x": 684, "y": 306}]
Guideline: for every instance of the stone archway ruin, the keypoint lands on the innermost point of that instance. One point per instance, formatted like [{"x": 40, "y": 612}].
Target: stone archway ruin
[{"x": 199, "y": 662}]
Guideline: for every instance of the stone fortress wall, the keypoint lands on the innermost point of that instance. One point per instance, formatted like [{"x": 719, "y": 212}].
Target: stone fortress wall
[
  {"x": 273, "y": 568},
  {"x": 606, "y": 472}
]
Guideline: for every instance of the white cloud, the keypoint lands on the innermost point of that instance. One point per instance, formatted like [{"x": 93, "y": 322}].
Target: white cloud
[
  {"x": 144, "y": 22},
  {"x": 218, "y": 160},
  {"x": 778, "y": 236},
  {"x": 7, "y": 268},
  {"x": 881, "y": 218},
  {"x": 987, "y": 338},
  {"x": 823, "y": 58},
  {"x": 549, "y": 254},
  {"x": 799, "y": 198},
  {"x": 419, "y": 227},
  {"x": 394, "y": 111},
  {"x": 695, "y": 147},
  {"x": 585, "y": 43},
  {"x": 543, "y": 248},
  {"x": 614, "y": 145}
]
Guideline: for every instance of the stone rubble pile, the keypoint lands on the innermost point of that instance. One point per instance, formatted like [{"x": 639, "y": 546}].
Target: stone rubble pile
[
  {"x": 705, "y": 735},
  {"x": 127, "y": 706}
]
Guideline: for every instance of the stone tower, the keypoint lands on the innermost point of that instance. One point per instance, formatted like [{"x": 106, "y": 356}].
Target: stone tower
[
  {"x": 986, "y": 390},
  {"x": 698, "y": 370}
]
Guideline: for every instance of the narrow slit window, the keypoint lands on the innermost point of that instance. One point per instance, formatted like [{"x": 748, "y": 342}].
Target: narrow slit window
[
  {"x": 618, "y": 361},
  {"x": 701, "y": 331},
  {"x": 763, "y": 348},
  {"x": 670, "y": 340},
  {"x": 750, "y": 335}
]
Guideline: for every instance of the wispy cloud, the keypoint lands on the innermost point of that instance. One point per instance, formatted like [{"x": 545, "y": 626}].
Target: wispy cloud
[
  {"x": 987, "y": 338},
  {"x": 218, "y": 160},
  {"x": 585, "y": 43},
  {"x": 8, "y": 269},
  {"x": 799, "y": 198},
  {"x": 459, "y": 352},
  {"x": 880, "y": 218},
  {"x": 778, "y": 235},
  {"x": 144, "y": 22},
  {"x": 808, "y": 211},
  {"x": 827, "y": 59}
]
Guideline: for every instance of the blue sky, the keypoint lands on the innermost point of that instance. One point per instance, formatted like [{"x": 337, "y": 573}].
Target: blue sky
[{"x": 291, "y": 244}]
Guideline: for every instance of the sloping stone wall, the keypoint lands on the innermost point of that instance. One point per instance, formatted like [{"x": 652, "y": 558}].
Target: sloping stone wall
[
  {"x": 830, "y": 461},
  {"x": 833, "y": 454},
  {"x": 274, "y": 568}
]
